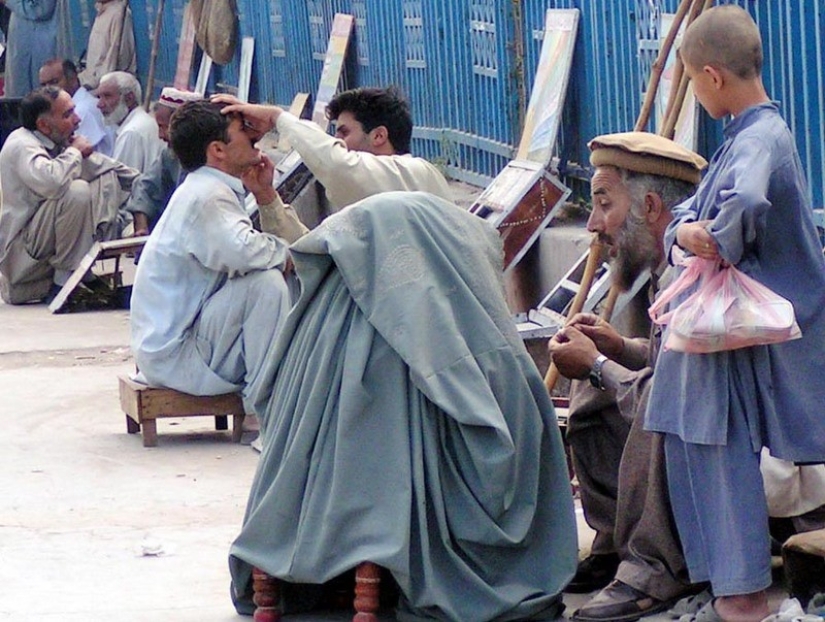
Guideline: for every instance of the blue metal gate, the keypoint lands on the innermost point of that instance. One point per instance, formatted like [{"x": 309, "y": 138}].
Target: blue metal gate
[{"x": 467, "y": 66}]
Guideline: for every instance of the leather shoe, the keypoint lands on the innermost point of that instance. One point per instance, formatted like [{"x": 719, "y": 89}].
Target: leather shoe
[
  {"x": 593, "y": 573},
  {"x": 619, "y": 602}
]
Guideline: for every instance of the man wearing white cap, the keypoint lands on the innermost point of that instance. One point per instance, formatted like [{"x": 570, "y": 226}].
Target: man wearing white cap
[
  {"x": 151, "y": 192},
  {"x": 636, "y": 555}
]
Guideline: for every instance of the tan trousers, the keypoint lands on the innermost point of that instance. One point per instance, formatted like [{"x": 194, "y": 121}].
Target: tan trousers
[
  {"x": 624, "y": 492},
  {"x": 62, "y": 231}
]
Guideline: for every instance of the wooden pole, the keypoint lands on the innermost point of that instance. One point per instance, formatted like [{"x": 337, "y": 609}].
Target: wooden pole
[
  {"x": 518, "y": 63},
  {"x": 153, "y": 58},
  {"x": 659, "y": 66},
  {"x": 677, "y": 96},
  {"x": 678, "y": 75},
  {"x": 680, "y": 79},
  {"x": 593, "y": 260}
]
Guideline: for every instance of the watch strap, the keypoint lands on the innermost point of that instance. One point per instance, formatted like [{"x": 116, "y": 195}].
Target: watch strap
[{"x": 596, "y": 372}]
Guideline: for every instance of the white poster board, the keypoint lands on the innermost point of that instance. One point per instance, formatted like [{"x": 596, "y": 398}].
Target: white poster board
[{"x": 687, "y": 123}]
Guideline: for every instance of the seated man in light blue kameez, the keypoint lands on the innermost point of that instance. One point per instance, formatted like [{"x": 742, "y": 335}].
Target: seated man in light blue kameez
[
  {"x": 407, "y": 426},
  {"x": 209, "y": 293}
]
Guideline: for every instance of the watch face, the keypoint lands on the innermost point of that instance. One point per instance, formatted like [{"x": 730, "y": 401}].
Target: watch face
[{"x": 596, "y": 372}]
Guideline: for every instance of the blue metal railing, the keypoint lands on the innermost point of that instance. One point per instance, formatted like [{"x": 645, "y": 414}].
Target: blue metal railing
[{"x": 456, "y": 61}]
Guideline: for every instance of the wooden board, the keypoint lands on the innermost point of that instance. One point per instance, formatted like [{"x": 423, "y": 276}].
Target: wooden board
[
  {"x": 299, "y": 104},
  {"x": 333, "y": 66},
  {"x": 186, "y": 50},
  {"x": 520, "y": 202},
  {"x": 99, "y": 251},
  {"x": 523, "y": 198},
  {"x": 551, "y": 313},
  {"x": 687, "y": 125},
  {"x": 203, "y": 74},
  {"x": 247, "y": 54},
  {"x": 296, "y": 109},
  {"x": 541, "y": 124}
]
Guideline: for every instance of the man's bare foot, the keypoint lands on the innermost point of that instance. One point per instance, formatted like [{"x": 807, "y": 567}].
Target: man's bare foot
[{"x": 743, "y": 608}]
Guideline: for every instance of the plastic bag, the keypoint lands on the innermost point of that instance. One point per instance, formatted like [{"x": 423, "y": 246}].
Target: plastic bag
[
  {"x": 729, "y": 310},
  {"x": 791, "y": 611}
]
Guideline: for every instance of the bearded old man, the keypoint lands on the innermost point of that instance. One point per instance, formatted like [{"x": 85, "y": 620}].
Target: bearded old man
[
  {"x": 636, "y": 556},
  {"x": 155, "y": 186},
  {"x": 137, "y": 143}
]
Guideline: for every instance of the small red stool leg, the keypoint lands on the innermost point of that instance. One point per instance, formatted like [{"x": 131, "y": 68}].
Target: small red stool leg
[
  {"x": 267, "y": 597},
  {"x": 367, "y": 590}
]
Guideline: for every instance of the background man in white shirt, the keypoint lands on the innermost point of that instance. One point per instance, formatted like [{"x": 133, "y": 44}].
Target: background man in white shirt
[{"x": 136, "y": 141}]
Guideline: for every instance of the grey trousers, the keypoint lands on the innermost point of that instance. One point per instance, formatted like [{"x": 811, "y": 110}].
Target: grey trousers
[
  {"x": 237, "y": 328},
  {"x": 624, "y": 493}
]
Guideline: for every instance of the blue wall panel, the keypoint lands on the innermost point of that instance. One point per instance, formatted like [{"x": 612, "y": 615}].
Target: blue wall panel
[{"x": 456, "y": 61}]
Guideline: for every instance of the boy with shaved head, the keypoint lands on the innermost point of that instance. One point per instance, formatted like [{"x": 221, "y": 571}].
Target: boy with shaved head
[{"x": 718, "y": 410}]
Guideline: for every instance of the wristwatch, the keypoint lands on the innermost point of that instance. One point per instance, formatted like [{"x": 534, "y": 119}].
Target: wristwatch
[{"x": 596, "y": 372}]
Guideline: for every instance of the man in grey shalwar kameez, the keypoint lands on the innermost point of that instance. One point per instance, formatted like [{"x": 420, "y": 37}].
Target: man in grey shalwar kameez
[
  {"x": 60, "y": 197},
  {"x": 407, "y": 425},
  {"x": 209, "y": 295}
]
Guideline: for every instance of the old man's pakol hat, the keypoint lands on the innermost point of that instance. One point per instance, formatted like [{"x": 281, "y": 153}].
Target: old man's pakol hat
[{"x": 644, "y": 152}]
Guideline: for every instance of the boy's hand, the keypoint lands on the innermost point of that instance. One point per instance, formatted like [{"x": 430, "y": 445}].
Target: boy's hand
[{"x": 694, "y": 237}]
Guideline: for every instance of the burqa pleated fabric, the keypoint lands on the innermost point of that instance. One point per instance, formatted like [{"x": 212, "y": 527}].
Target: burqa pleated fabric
[{"x": 408, "y": 426}]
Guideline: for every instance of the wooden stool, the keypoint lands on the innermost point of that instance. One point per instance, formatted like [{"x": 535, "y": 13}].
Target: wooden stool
[
  {"x": 267, "y": 594},
  {"x": 143, "y": 405}
]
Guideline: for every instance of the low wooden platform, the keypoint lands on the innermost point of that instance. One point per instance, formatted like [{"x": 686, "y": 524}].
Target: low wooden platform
[{"x": 144, "y": 405}]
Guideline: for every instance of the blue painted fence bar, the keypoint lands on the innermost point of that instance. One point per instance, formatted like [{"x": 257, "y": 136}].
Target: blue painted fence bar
[{"x": 467, "y": 67}]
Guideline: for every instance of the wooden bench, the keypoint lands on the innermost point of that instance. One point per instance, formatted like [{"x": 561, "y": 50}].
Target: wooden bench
[{"x": 144, "y": 405}]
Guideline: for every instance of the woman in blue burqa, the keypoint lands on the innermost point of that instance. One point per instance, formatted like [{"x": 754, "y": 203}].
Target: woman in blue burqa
[{"x": 408, "y": 426}]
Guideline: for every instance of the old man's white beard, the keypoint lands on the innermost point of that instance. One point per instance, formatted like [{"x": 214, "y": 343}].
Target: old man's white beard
[
  {"x": 635, "y": 252},
  {"x": 117, "y": 115}
]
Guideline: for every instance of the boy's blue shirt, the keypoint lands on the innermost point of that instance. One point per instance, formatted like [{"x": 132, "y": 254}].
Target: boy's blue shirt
[{"x": 757, "y": 197}]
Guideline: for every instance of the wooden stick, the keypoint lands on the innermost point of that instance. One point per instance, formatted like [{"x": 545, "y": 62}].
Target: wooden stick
[
  {"x": 153, "y": 58},
  {"x": 593, "y": 260},
  {"x": 680, "y": 80},
  {"x": 659, "y": 65},
  {"x": 669, "y": 125},
  {"x": 678, "y": 76}
]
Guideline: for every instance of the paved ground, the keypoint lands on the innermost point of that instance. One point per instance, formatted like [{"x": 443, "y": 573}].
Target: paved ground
[{"x": 85, "y": 508}]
